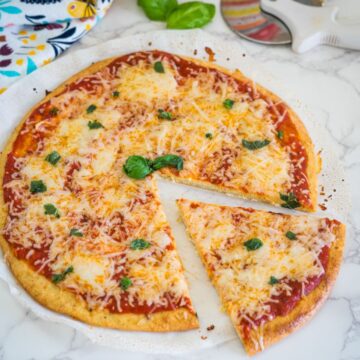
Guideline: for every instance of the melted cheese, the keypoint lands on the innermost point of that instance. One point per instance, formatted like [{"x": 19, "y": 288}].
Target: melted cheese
[
  {"x": 242, "y": 277},
  {"x": 93, "y": 194}
]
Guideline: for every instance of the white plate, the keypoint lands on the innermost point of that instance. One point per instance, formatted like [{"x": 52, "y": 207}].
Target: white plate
[{"x": 30, "y": 90}]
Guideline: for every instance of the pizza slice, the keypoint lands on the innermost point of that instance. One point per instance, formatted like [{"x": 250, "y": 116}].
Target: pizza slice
[{"x": 272, "y": 271}]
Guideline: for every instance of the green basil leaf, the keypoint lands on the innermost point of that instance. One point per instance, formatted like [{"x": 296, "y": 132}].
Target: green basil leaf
[
  {"x": 191, "y": 15},
  {"x": 159, "y": 67},
  {"x": 56, "y": 278},
  {"x": 51, "y": 209},
  {"x": 95, "y": 125},
  {"x": 165, "y": 115},
  {"x": 253, "y": 244},
  {"x": 137, "y": 167},
  {"x": 157, "y": 10},
  {"x": 76, "y": 232},
  {"x": 37, "y": 186},
  {"x": 228, "y": 103},
  {"x": 290, "y": 201},
  {"x": 168, "y": 160},
  {"x": 280, "y": 134},
  {"x": 115, "y": 94},
  {"x": 91, "y": 109},
  {"x": 290, "y": 235},
  {"x": 54, "y": 111},
  {"x": 125, "y": 283},
  {"x": 273, "y": 280},
  {"x": 255, "y": 145},
  {"x": 139, "y": 244},
  {"x": 209, "y": 135},
  {"x": 53, "y": 157}
]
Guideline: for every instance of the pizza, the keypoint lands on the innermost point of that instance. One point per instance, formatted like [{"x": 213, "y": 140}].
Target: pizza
[
  {"x": 84, "y": 231},
  {"x": 272, "y": 271}
]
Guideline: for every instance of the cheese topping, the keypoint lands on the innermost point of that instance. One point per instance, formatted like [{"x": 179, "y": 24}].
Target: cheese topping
[
  {"x": 248, "y": 281},
  {"x": 93, "y": 195}
]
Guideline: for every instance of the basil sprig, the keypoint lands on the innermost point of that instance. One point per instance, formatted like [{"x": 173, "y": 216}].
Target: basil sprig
[
  {"x": 125, "y": 283},
  {"x": 50, "y": 209},
  {"x": 290, "y": 235},
  {"x": 170, "y": 160},
  {"x": 139, "y": 244},
  {"x": 157, "y": 10},
  {"x": 56, "y": 278},
  {"x": 273, "y": 280},
  {"x": 290, "y": 201},
  {"x": 53, "y": 157},
  {"x": 37, "y": 186},
  {"x": 255, "y": 145},
  {"x": 138, "y": 167},
  {"x": 253, "y": 244},
  {"x": 191, "y": 15},
  {"x": 76, "y": 232}
]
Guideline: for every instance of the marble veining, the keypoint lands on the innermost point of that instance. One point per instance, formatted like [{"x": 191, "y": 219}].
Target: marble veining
[{"x": 328, "y": 80}]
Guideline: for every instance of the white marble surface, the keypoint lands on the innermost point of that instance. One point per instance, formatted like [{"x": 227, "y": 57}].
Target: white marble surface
[{"x": 328, "y": 79}]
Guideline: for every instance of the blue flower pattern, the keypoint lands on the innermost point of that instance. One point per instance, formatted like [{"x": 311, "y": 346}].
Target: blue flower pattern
[{"x": 30, "y": 35}]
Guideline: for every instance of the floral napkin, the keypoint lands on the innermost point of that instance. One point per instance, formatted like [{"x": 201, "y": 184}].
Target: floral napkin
[{"x": 34, "y": 32}]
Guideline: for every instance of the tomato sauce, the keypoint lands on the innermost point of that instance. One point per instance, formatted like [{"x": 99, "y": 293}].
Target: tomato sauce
[
  {"x": 29, "y": 140},
  {"x": 285, "y": 302}
]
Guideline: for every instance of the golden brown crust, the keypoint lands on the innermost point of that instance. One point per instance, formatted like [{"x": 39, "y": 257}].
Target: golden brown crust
[
  {"x": 62, "y": 301},
  {"x": 67, "y": 303},
  {"x": 282, "y": 326},
  {"x": 305, "y": 140}
]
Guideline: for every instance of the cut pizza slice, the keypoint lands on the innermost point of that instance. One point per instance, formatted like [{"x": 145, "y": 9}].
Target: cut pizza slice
[{"x": 272, "y": 271}]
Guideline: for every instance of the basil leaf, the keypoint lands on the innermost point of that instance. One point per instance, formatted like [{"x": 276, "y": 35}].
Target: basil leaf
[
  {"x": 165, "y": 115},
  {"x": 157, "y": 10},
  {"x": 255, "y": 145},
  {"x": 253, "y": 244},
  {"x": 159, "y": 67},
  {"x": 290, "y": 235},
  {"x": 137, "y": 167},
  {"x": 191, "y": 15},
  {"x": 53, "y": 157},
  {"x": 139, "y": 244},
  {"x": 95, "y": 125},
  {"x": 115, "y": 94},
  {"x": 228, "y": 103},
  {"x": 50, "y": 209},
  {"x": 168, "y": 160},
  {"x": 76, "y": 232},
  {"x": 280, "y": 134},
  {"x": 54, "y": 111},
  {"x": 273, "y": 280},
  {"x": 290, "y": 201},
  {"x": 91, "y": 109},
  {"x": 37, "y": 186},
  {"x": 209, "y": 135},
  {"x": 125, "y": 283},
  {"x": 56, "y": 278}
]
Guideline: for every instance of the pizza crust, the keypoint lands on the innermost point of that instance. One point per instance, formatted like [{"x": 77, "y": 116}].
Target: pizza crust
[
  {"x": 65, "y": 302},
  {"x": 54, "y": 298},
  {"x": 62, "y": 301},
  {"x": 281, "y": 326},
  {"x": 312, "y": 167}
]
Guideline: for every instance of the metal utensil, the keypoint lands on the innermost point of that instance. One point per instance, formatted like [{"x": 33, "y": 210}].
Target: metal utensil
[{"x": 305, "y": 23}]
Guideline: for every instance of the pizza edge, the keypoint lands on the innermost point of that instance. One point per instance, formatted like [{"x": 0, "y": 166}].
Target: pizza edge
[
  {"x": 312, "y": 167},
  {"x": 28, "y": 278},
  {"x": 62, "y": 301},
  {"x": 306, "y": 308}
]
